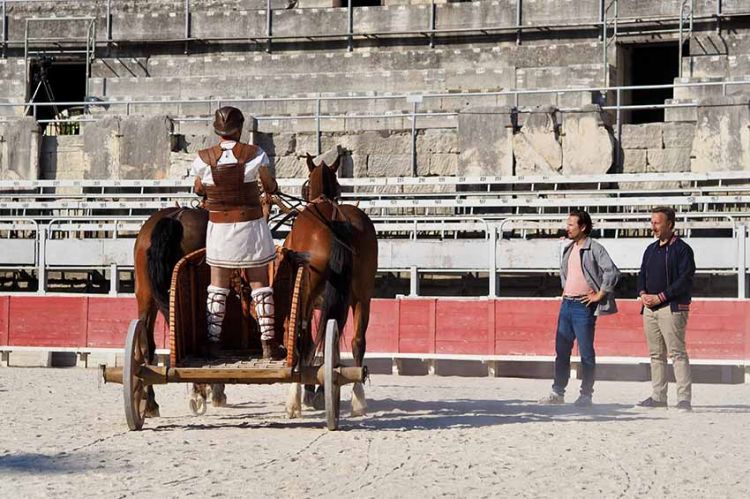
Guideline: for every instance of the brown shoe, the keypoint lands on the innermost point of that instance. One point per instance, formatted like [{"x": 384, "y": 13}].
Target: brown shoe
[{"x": 272, "y": 350}]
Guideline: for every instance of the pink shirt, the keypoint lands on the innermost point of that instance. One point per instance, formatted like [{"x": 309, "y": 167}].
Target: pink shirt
[{"x": 575, "y": 283}]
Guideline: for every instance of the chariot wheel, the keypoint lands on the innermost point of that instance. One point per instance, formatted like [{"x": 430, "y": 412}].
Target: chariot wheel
[
  {"x": 298, "y": 324},
  {"x": 331, "y": 361},
  {"x": 134, "y": 390}
]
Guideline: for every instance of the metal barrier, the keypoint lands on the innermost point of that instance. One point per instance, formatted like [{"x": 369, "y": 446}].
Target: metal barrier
[{"x": 426, "y": 249}]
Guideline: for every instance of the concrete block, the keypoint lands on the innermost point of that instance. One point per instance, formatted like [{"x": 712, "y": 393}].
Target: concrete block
[
  {"x": 536, "y": 147},
  {"x": 676, "y": 159},
  {"x": 645, "y": 136},
  {"x": 20, "y": 145},
  {"x": 29, "y": 359},
  {"x": 485, "y": 138},
  {"x": 588, "y": 145},
  {"x": 634, "y": 160},
  {"x": 678, "y": 134},
  {"x": 722, "y": 137}
]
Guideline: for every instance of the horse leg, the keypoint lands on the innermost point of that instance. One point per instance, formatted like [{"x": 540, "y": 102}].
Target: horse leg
[
  {"x": 361, "y": 320},
  {"x": 197, "y": 401},
  {"x": 293, "y": 401},
  {"x": 149, "y": 319},
  {"x": 218, "y": 397}
]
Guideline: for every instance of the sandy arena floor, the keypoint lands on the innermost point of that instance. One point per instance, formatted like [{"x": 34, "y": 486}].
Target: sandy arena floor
[{"x": 63, "y": 434}]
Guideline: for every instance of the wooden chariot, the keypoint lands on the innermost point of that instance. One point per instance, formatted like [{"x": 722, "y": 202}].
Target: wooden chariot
[{"x": 241, "y": 361}]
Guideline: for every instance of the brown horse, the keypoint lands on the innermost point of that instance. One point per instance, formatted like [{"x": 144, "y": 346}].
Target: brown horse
[
  {"x": 342, "y": 248},
  {"x": 167, "y": 236}
]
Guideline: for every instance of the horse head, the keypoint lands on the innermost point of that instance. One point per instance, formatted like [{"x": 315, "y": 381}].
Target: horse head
[{"x": 322, "y": 180}]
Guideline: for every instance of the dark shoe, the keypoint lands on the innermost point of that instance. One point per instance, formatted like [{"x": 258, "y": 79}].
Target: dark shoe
[
  {"x": 272, "y": 350},
  {"x": 651, "y": 403},
  {"x": 583, "y": 401},
  {"x": 684, "y": 406}
]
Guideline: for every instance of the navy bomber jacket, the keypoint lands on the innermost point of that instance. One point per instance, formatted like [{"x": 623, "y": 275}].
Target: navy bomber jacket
[{"x": 680, "y": 271}]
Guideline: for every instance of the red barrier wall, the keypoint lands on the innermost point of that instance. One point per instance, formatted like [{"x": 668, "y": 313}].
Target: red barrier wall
[{"x": 717, "y": 329}]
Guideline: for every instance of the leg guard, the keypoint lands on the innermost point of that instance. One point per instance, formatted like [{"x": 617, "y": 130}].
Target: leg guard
[
  {"x": 263, "y": 300},
  {"x": 216, "y": 306}
]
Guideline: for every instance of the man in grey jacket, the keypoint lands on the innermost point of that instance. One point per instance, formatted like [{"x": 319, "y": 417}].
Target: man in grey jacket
[{"x": 588, "y": 278}]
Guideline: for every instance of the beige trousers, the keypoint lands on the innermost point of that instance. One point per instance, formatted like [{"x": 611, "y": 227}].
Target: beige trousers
[{"x": 665, "y": 333}]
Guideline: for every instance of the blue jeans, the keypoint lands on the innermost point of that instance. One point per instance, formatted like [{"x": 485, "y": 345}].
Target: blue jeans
[{"x": 576, "y": 322}]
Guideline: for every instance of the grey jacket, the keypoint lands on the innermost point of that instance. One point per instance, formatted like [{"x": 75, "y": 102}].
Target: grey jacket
[{"x": 599, "y": 271}]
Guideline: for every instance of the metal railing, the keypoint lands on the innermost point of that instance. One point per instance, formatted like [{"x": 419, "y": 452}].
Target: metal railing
[
  {"x": 597, "y": 21},
  {"x": 412, "y": 101}
]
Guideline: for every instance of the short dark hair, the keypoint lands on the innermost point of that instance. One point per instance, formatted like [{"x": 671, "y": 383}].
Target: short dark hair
[
  {"x": 583, "y": 219},
  {"x": 668, "y": 212}
]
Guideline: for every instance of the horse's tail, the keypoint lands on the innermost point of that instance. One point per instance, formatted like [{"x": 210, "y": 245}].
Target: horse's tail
[
  {"x": 163, "y": 254},
  {"x": 337, "y": 291}
]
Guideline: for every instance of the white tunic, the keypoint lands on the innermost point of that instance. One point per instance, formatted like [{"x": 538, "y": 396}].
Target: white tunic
[{"x": 241, "y": 244}]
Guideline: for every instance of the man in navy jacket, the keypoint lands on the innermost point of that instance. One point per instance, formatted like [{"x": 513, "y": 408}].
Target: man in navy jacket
[{"x": 665, "y": 288}]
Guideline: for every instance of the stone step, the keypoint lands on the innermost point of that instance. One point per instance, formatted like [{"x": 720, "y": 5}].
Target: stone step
[
  {"x": 524, "y": 56},
  {"x": 299, "y": 84},
  {"x": 716, "y": 66}
]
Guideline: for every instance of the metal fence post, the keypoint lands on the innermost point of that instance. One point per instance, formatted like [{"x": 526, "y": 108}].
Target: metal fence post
[
  {"x": 432, "y": 23},
  {"x": 741, "y": 234},
  {"x": 269, "y": 26},
  {"x": 519, "y": 19},
  {"x": 413, "y": 281},
  {"x": 350, "y": 27},
  {"x": 42, "y": 261},
  {"x": 318, "y": 145},
  {"x": 492, "y": 261},
  {"x": 187, "y": 26},
  {"x": 114, "y": 279},
  {"x": 109, "y": 21}
]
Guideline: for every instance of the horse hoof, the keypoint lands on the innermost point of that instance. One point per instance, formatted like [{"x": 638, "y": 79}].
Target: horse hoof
[
  {"x": 219, "y": 401},
  {"x": 319, "y": 400},
  {"x": 309, "y": 399},
  {"x": 197, "y": 405},
  {"x": 152, "y": 411},
  {"x": 293, "y": 413}
]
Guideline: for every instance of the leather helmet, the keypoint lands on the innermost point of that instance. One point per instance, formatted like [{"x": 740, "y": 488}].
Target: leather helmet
[{"x": 228, "y": 120}]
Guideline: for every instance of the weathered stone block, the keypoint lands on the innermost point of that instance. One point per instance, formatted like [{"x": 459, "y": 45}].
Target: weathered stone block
[
  {"x": 289, "y": 167},
  {"x": 19, "y": 154},
  {"x": 485, "y": 137},
  {"x": 634, "y": 160},
  {"x": 437, "y": 141},
  {"x": 441, "y": 164},
  {"x": 677, "y": 114},
  {"x": 62, "y": 157},
  {"x": 536, "y": 147},
  {"x": 722, "y": 137},
  {"x": 588, "y": 145},
  {"x": 676, "y": 159},
  {"x": 646, "y": 136},
  {"x": 122, "y": 147},
  {"x": 678, "y": 134},
  {"x": 389, "y": 165}
]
